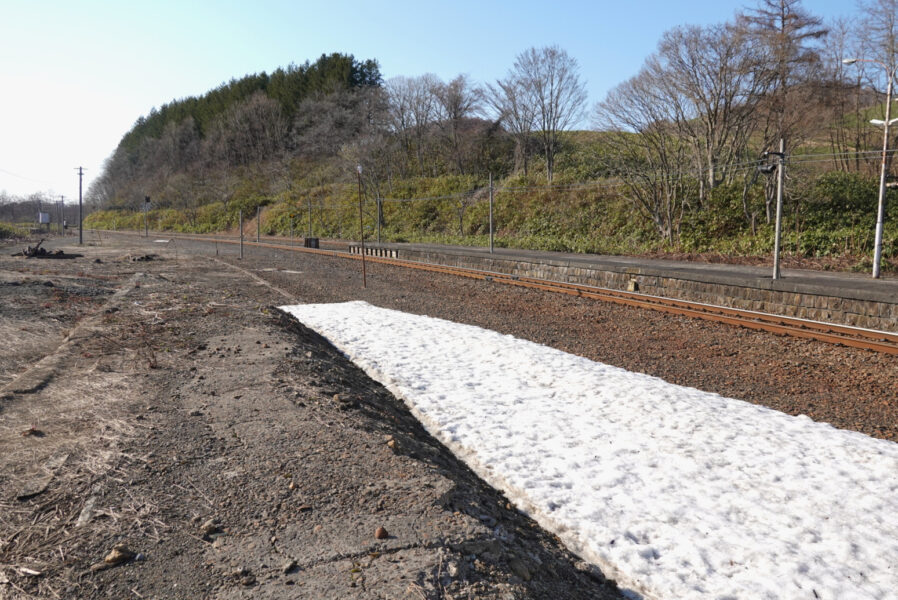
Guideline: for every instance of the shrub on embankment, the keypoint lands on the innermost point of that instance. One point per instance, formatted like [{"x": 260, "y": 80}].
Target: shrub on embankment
[
  {"x": 832, "y": 215},
  {"x": 9, "y": 231}
]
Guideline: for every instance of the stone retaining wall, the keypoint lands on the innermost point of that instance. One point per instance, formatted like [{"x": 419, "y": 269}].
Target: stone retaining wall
[{"x": 748, "y": 294}]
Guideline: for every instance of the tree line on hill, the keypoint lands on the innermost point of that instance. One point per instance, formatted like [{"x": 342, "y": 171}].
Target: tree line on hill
[
  {"x": 25, "y": 210},
  {"x": 691, "y": 124},
  {"x": 339, "y": 107}
]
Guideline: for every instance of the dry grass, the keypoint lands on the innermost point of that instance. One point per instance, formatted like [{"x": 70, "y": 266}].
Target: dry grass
[
  {"x": 77, "y": 426},
  {"x": 46, "y": 534}
]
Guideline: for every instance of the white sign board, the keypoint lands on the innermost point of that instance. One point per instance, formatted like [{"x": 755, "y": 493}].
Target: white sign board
[{"x": 43, "y": 217}]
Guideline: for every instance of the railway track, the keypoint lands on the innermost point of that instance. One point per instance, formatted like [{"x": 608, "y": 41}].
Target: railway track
[{"x": 856, "y": 337}]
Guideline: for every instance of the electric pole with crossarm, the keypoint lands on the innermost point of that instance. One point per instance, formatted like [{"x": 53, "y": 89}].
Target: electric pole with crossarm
[{"x": 80, "y": 209}]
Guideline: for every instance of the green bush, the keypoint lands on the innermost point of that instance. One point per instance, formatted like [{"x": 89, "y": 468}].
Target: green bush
[
  {"x": 114, "y": 220},
  {"x": 8, "y": 231},
  {"x": 832, "y": 215},
  {"x": 842, "y": 200}
]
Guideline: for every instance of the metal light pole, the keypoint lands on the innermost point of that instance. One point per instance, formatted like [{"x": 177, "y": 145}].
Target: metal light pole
[
  {"x": 361, "y": 229},
  {"x": 880, "y": 210}
]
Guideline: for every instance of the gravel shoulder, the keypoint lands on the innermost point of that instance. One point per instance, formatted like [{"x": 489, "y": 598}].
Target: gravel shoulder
[{"x": 166, "y": 433}]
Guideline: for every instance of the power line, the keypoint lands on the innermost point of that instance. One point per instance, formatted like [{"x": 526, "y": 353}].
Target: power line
[
  {"x": 446, "y": 197},
  {"x": 22, "y": 177}
]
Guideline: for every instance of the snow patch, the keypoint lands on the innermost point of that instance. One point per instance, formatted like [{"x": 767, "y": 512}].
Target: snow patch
[{"x": 672, "y": 491}]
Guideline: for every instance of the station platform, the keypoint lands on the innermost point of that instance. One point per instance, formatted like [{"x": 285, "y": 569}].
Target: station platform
[{"x": 849, "y": 298}]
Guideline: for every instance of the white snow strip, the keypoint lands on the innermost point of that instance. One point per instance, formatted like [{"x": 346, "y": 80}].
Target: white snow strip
[{"x": 674, "y": 492}]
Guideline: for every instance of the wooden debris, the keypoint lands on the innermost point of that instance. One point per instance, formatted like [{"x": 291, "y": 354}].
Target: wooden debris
[
  {"x": 33, "y": 431},
  {"x": 37, "y": 252}
]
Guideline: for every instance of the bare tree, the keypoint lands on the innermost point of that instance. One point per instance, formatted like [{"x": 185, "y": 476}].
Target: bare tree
[
  {"x": 323, "y": 124},
  {"x": 400, "y": 119},
  {"x": 253, "y": 130},
  {"x": 102, "y": 189},
  {"x": 879, "y": 29},
  {"x": 845, "y": 93},
  {"x": 550, "y": 77},
  {"x": 785, "y": 34},
  {"x": 510, "y": 100},
  {"x": 457, "y": 102},
  {"x": 708, "y": 76},
  {"x": 413, "y": 105},
  {"x": 646, "y": 151},
  {"x": 880, "y": 26},
  {"x": 22, "y": 209}
]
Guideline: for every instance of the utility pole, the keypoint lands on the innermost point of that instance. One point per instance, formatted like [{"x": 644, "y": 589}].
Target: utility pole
[
  {"x": 780, "y": 168},
  {"x": 80, "y": 208},
  {"x": 61, "y": 213},
  {"x": 491, "y": 213},
  {"x": 780, "y": 173},
  {"x": 361, "y": 228}
]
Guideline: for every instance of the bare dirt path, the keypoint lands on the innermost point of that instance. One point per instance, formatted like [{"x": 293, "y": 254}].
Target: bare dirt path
[{"x": 164, "y": 433}]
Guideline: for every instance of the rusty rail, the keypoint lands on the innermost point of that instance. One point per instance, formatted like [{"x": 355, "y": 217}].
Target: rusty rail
[{"x": 833, "y": 333}]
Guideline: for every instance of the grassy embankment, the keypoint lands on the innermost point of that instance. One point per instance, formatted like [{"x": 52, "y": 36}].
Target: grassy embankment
[{"x": 826, "y": 214}]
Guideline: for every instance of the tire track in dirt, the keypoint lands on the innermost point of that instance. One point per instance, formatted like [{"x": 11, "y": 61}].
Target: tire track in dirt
[{"x": 42, "y": 372}]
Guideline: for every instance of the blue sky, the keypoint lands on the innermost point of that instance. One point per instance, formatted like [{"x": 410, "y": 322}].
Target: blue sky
[{"x": 76, "y": 75}]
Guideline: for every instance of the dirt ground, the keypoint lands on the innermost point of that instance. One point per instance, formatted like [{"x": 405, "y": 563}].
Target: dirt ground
[
  {"x": 153, "y": 401},
  {"x": 166, "y": 433}
]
